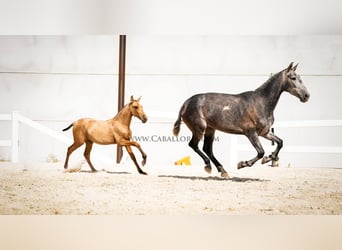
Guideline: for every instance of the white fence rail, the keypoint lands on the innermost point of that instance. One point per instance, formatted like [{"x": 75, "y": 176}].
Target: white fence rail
[{"x": 17, "y": 118}]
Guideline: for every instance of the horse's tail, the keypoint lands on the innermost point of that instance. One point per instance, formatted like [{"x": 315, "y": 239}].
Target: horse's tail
[
  {"x": 176, "y": 126},
  {"x": 72, "y": 124}
]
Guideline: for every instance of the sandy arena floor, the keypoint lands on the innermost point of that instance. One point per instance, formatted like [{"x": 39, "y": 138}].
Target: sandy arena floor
[{"x": 45, "y": 189}]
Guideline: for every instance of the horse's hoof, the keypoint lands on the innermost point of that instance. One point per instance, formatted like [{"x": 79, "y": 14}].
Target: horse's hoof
[
  {"x": 143, "y": 162},
  {"x": 207, "y": 169},
  {"x": 266, "y": 159},
  {"x": 94, "y": 171},
  {"x": 275, "y": 164},
  {"x": 143, "y": 173},
  {"x": 225, "y": 175},
  {"x": 241, "y": 164}
]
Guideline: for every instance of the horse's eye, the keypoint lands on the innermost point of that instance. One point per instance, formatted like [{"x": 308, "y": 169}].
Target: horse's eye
[
  {"x": 293, "y": 78},
  {"x": 136, "y": 107}
]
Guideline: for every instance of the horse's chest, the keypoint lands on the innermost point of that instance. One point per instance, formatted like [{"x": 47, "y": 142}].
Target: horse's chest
[{"x": 122, "y": 131}]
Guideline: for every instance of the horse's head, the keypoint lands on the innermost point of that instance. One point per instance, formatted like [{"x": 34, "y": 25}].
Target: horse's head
[
  {"x": 137, "y": 109},
  {"x": 293, "y": 83}
]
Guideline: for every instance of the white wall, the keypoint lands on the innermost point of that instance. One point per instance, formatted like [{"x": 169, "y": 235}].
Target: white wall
[
  {"x": 166, "y": 70},
  {"x": 55, "y": 80}
]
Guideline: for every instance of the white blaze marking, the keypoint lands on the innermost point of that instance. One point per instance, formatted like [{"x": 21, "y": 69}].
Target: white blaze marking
[{"x": 227, "y": 107}]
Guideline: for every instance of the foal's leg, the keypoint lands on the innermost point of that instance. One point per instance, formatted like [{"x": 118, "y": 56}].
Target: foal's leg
[
  {"x": 86, "y": 154},
  {"x": 143, "y": 154},
  {"x": 131, "y": 154},
  {"x": 253, "y": 138},
  {"x": 128, "y": 144},
  {"x": 274, "y": 155},
  {"x": 71, "y": 149},
  {"x": 208, "y": 149}
]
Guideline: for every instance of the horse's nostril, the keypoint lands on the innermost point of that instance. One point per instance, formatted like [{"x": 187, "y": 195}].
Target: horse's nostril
[{"x": 306, "y": 97}]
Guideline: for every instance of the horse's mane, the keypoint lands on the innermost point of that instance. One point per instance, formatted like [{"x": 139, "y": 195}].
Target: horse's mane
[{"x": 266, "y": 86}]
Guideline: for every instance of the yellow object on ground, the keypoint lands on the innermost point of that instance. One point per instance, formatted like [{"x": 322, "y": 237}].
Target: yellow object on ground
[{"x": 184, "y": 161}]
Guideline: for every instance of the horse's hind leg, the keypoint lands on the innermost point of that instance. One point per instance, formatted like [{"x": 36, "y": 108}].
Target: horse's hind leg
[
  {"x": 86, "y": 154},
  {"x": 253, "y": 138},
  {"x": 71, "y": 149},
  {"x": 208, "y": 149},
  {"x": 274, "y": 155},
  {"x": 196, "y": 137}
]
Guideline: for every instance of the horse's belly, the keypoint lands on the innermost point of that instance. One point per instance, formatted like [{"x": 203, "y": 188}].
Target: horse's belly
[
  {"x": 231, "y": 130},
  {"x": 225, "y": 126}
]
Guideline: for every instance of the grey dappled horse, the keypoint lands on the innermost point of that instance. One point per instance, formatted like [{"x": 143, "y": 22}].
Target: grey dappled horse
[{"x": 249, "y": 113}]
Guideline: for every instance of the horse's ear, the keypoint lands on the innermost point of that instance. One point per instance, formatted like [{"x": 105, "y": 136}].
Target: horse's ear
[
  {"x": 295, "y": 67},
  {"x": 132, "y": 98},
  {"x": 289, "y": 67},
  {"x": 139, "y": 99}
]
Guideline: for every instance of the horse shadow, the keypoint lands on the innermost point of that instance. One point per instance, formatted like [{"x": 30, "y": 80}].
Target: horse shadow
[
  {"x": 201, "y": 178},
  {"x": 105, "y": 171},
  {"x": 214, "y": 178}
]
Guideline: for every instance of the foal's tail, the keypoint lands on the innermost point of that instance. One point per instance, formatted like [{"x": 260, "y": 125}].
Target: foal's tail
[
  {"x": 72, "y": 124},
  {"x": 176, "y": 126}
]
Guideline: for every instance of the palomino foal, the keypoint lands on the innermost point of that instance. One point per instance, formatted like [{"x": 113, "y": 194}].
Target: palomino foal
[{"x": 113, "y": 131}]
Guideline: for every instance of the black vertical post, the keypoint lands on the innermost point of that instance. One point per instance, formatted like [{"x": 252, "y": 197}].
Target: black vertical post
[{"x": 121, "y": 86}]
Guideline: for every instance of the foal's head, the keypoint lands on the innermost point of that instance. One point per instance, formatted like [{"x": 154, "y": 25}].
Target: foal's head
[
  {"x": 137, "y": 109},
  {"x": 293, "y": 83}
]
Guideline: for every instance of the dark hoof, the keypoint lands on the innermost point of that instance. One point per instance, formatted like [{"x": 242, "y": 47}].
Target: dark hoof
[
  {"x": 225, "y": 175},
  {"x": 143, "y": 173},
  {"x": 207, "y": 169},
  {"x": 143, "y": 162},
  {"x": 241, "y": 164},
  {"x": 94, "y": 171}
]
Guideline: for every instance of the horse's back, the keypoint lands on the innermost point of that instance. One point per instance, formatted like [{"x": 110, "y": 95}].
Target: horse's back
[
  {"x": 216, "y": 110},
  {"x": 211, "y": 102},
  {"x": 97, "y": 131}
]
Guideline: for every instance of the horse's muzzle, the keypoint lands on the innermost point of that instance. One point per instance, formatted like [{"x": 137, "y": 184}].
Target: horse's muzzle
[
  {"x": 305, "y": 97},
  {"x": 143, "y": 119}
]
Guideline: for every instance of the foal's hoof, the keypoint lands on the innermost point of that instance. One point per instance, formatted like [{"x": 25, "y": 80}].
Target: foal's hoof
[
  {"x": 241, "y": 164},
  {"x": 225, "y": 175},
  {"x": 207, "y": 169},
  {"x": 143, "y": 173}
]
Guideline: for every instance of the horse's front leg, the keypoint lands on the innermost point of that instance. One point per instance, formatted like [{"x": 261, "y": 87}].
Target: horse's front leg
[
  {"x": 274, "y": 155},
  {"x": 253, "y": 138},
  {"x": 128, "y": 144},
  {"x": 143, "y": 154}
]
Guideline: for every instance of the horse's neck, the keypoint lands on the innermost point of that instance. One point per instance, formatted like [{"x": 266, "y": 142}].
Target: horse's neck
[
  {"x": 270, "y": 91},
  {"x": 124, "y": 116}
]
